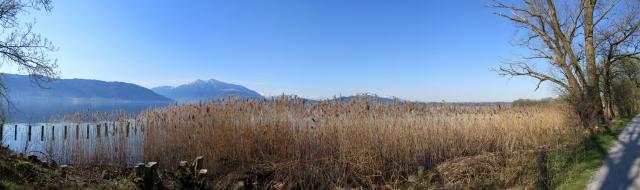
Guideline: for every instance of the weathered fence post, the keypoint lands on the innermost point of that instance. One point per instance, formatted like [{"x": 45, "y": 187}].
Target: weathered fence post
[
  {"x": 98, "y": 130},
  {"x": 65, "y": 132},
  {"x": 127, "y": 129},
  {"x": 106, "y": 131},
  {"x": 15, "y": 132},
  {"x": 184, "y": 176},
  {"x": 53, "y": 132},
  {"x": 183, "y": 165},
  {"x": 198, "y": 164},
  {"x": 202, "y": 178},
  {"x": 77, "y": 132},
  {"x": 151, "y": 175},
  {"x": 139, "y": 170},
  {"x": 42, "y": 133},
  {"x": 29, "y": 134},
  {"x": 63, "y": 170},
  {"x": 88, "y": 131}
]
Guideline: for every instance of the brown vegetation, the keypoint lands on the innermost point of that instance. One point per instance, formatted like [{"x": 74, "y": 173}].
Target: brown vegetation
[{"x": 287, "y": 142}]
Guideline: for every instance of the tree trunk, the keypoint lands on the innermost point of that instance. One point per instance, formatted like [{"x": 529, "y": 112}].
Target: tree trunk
[
  {"x": 607, "y": 93},
  {"x": 592, "y": 91}
]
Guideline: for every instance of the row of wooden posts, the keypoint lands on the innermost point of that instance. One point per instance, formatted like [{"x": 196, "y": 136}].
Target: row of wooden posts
[{"x": 53, "y": 129}]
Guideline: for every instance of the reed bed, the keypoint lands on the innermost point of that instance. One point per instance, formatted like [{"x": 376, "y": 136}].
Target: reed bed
[{"x": 362, "y": 142}]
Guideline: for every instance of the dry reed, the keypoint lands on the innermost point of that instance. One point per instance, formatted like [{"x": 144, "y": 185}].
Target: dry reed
[{"x": 361, "y": 142}]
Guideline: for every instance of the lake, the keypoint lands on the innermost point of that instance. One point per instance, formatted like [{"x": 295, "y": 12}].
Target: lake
[{"x": 108, "y": 143}]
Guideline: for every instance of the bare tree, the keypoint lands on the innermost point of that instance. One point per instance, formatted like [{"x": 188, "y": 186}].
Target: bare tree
[
  {"x": 567, "y": 41},
  {"x": 617, "y": 43},
  {"x": 625, "y": 86},
  {"x": 627, "y": 68},
  {"x": 20, "y": 46}
]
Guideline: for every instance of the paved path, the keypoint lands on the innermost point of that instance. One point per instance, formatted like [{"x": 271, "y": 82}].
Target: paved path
[{"x": 621, "y": 170}]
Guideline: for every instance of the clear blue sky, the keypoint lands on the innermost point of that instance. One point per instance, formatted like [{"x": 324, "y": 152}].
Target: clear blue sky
[{"x": 413, "y": 49}]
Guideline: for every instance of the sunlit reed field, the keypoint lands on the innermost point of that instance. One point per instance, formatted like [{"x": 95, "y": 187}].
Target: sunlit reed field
[{"x": 361, "y": 142}]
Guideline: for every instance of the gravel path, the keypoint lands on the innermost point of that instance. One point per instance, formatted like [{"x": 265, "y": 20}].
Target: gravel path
[{"x": 621, "y": 170}]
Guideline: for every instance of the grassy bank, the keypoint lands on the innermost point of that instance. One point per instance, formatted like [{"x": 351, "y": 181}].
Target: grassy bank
[
  {"x": 17, "y": 172},
  {"x": 571, "y": 168},
  {"x": 289, "y": 144}
]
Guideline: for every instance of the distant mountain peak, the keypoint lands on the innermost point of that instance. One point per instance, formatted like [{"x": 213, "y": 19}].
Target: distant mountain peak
[{"x": 203, "y": 90}]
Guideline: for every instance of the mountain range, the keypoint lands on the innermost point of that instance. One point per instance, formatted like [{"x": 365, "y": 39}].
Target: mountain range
[
  {"x": 38, "y": 101},
  {"x": 33, "y": 101},
  {"x": 202, "y": 90},
  {"x": 21, "y": 87}
]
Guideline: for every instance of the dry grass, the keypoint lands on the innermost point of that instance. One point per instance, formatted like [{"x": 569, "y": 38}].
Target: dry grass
[{"x": 341, "y": 144}]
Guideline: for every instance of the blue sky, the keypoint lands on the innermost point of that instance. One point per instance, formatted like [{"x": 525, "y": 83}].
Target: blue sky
[{"x": 412, "y": 49}]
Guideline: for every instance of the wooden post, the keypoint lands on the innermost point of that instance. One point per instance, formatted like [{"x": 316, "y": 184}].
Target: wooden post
[
  {"x": 15, "y": 132},
  {"x": 63, "y": 170},
  {"x": 183, "y": 164},
  {"x": 65, "y": 132},
  {"x": 139, "y": 170},
  {"x": 98, "y": 130},
  {"x": 202, "y": 174},
  {"x": 106, "y": 131},
  {"x": 150, "y": 178},
  {"x": 201, "y": 178},
  {"x": 115, "y": 129},
  {"x": 184, "y": 176},
  {"x": 29, "y": 134},
  {"x": 42, "y": 133},
  {"x": 127, "y": 129},
  {"x": 53, "y": 132},
  {"x": 88, "y": 131},
  {"x": 77, "y": 132},
  {"x": 198, "y": 164}
]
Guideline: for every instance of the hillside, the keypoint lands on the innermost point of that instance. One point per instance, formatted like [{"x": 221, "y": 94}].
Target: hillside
[
  {"x": 202, "y": 90},
  {"x": 39, "y": 101},
  {"x": 21, "y": 87}
]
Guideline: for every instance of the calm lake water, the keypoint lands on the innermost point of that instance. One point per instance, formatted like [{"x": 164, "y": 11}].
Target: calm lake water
[
  {"x": 43, "y": 111},
  {"x": 109, "y": 143}
]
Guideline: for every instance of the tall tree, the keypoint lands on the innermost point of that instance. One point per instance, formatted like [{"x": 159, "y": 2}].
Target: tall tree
[
  {"x": 618, "y": 43},
  {"x": 564, "y": 38},
  {"x": 20, "y": 46}
]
